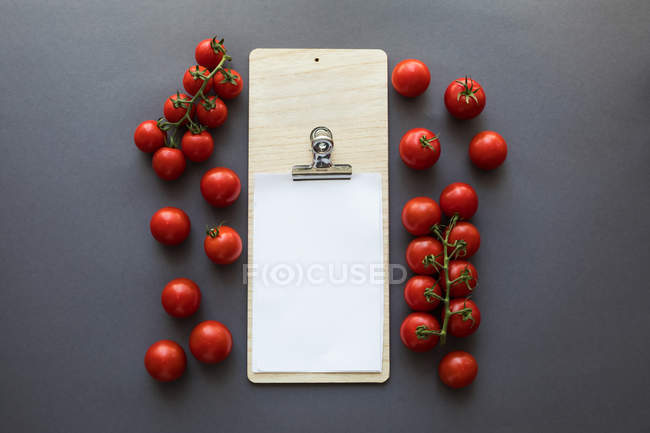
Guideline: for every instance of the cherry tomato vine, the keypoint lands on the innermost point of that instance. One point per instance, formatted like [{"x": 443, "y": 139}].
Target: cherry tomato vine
[
  {"x": 199, "y": 97},
  {"x": 450, "y": 250}
]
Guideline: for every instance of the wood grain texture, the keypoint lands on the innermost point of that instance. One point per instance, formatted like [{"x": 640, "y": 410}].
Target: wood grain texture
[{"x": 292, "y": 91}]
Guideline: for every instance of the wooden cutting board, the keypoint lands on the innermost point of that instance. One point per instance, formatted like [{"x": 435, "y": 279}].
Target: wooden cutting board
[{"x": 291, "y": 91}]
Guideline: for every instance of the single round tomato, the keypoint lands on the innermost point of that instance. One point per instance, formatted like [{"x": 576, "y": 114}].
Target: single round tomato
[
  {"x": 210, "y": 342},
  {"x": 488, "y": 150},
  {"x": 419, "y": 148},
  {"x": 410, "y": 77},
  {"x": 220, "y": 186},
  {"x": 459, "y": 198},
  {"x": 222, "y": 245},
  {"x": 192, "y": 83},
  {"x": 416, "y": 334},
  {"x": 197, "y": 147},
  {"x": 457, "y": 269},
  {"x": 170, "y": 225},
  {"x": 424, "y": 247},
  {"x": 418, "y": 293},
  {"x": 165, "y": 360},
  {"x": 464, "y": 98},
  {"x": 419, "y": 214},
  {"x": 212, "y": 116},
  {"x": 457, "y": 369},
  {"x": 209, "y": 52},
  {"x": 227, "y": 83},
  {"x": 462, "y": 325},
  {"x": 174, "y": 114},
  {"x": 467, "y": 233},
  {"x": 181, "y": 297},
  {"x": 148, "y": 137},
  {"x": 168, "y": 163}
]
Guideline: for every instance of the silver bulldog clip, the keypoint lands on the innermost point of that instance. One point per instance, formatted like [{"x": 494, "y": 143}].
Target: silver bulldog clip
[{"x": 321, "y": 168}]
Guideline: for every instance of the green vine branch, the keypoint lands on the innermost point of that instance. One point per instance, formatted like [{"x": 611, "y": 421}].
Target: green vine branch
[{"x": 450, "y": 250}]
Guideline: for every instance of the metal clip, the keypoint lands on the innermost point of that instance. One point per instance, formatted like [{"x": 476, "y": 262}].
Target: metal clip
[{"x": 321, "y": 168}]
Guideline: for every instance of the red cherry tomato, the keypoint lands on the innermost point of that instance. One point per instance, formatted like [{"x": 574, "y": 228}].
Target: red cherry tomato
[
  {"x": 459, "y": 327},
  {"x": 220, "y": 186},
  {"x": 458, "y": 268},
  {"x": 222, "y": 245},
  {"x": 410, "y": 77},
  {"x": 210, "y": 342},
  {"x": 192, "y": 84},
  {"x": 464, "y": 98},
  {"x": 170, "y": 225},
  {"x": 488, "y": 150},
  {"x": 165, "y": 360},
  {"x": 419, "y": 214},
  {"x": 181, "y": 297},
  {"x": 467, "y": 232},
  {"x": 197, "y": 147},
  {"x": 459, "y": 198},
  {"x": 168, "y": 163},
  {"x": 417, "y": 293},
  {"x": 206, "y": 55},
  {"x": 227, "y": 85},
  {"x": 419, "y": 148},
  {"x": 419, "y": 249},
  {"x": 415, "y": 334},
  {"x": 174, "y": 114},
  {"x": 148, "y": 137},
  {"x": 213, "y": 116},
  {"x": 457, "y": 369}
]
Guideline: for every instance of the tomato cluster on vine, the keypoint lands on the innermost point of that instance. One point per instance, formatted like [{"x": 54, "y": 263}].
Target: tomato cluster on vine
[
  {"x": 182, "y": 133},
  {"x": 445, "y": 278},
  {"x": 191, "y": 114}
]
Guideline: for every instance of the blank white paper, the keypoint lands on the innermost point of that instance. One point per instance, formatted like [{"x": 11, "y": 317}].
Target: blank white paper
[{"x": 318, "y": 283}]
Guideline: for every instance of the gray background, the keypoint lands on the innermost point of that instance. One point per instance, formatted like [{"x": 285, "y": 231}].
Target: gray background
[{"x": 563, "y": 345}]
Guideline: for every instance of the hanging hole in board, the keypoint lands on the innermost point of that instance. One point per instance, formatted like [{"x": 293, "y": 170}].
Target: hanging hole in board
[{"x": 316, "y": 59}]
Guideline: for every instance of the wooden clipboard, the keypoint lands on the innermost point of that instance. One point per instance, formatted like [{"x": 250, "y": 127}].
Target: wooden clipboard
[{"x": 290, "y": 92}]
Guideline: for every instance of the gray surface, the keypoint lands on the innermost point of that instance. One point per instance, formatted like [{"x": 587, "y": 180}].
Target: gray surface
[{"x": 563, "y": 345}]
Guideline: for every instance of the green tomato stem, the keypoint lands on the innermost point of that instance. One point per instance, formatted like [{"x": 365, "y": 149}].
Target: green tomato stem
[{"x": 445, "y": 273}]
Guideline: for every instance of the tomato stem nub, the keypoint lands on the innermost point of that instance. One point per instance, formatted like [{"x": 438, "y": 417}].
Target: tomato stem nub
[
  {"x": 465, "y": 312},
  {"x": 228, "y": 77},
  {"x": 432, "y": 260},
  {"x": 217, "y": 46},
  {"x": 461, "y": 247},
  {"x": 426, "y": 142},
  {"x": 468, "y": 90},
  {"x": 430, "y": 295},
  {"x": 423, "y": 333}
]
